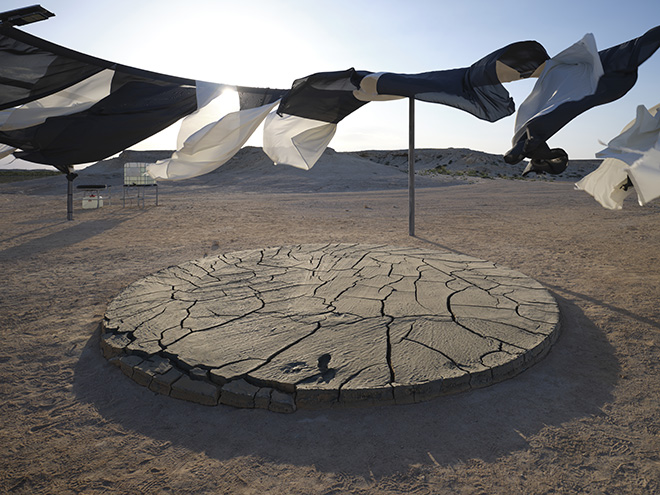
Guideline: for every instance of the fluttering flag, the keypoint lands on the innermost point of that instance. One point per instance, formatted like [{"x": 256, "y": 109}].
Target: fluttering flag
[
  {"x": 326, "y": 96},
  {"x": 33, "y": 68},
  {"x": 60, "y": 107},
  {"x": 296, "y": 141},
  {"x": 574, "y": 81},
  {"x": 631, "y": 163},
  {"x": 315, "y": 104},
  {"x": 477, "y": 89}
]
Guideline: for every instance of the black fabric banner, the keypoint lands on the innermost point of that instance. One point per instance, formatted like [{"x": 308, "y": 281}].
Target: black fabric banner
[
  {"x": 326, "y": 96},
  {"x": 140, "y": 104},
  {"x": 475, "y": 89},
  {"x": 30, "y": 70},
  {"x": 136, "y": 109}
]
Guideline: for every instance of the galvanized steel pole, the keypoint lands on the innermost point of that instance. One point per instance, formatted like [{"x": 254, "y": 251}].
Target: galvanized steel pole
[{"x": 411, "y": 167}]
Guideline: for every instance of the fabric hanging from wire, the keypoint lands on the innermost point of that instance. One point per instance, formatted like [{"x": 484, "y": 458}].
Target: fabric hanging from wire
[
  {"x": 631, "y": 163},
  {"x": 212, "y": 146},
  {"x": 315, "y": 104},
  {"x": 574, "y": 81},
  {"x": 6, "y": 150},
  {"x": 61, "y": 107},
  {"x": 306, "y": 119},
  {"x": 205, "y": 142},
  {"x": 477, "y": 89},
  {"x": 296, "y": 141},
  {"x": 33, "y": 68}
]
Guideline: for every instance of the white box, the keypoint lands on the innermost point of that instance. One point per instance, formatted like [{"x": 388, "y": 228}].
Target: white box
[{"x": 92, "y": 201}]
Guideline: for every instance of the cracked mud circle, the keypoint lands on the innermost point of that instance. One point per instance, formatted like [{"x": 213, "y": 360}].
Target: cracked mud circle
[{"x": 316, "y": 326}]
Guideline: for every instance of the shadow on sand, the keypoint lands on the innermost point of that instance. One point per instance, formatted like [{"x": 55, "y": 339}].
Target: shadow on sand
[
  {"x": 67, "y": 235},
  {"x": 574, "y": 381}
]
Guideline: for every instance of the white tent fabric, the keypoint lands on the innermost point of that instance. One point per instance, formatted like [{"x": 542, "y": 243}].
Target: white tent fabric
[
  {"x": 634, "y": 154},
  {"x": 73, "y": 99},
  {"x": 296, "y": 141},
  {"x": 568, "y": 76},
  {"x": 212, "y": 146}
]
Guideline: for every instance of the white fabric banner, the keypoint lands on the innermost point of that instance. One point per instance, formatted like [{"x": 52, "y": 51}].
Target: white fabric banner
[
  {"x": 212, "y": 146},
  {"x": 638, "y": 136},
  {"x": 568, "y": 76},
  {"x": 605, "y": 184},
  {"x": 645, "y": 175},
  {"x": 634, "y": 154},
  {"x": 212, "y": 100},
  {"x": 296, "y": 141}
]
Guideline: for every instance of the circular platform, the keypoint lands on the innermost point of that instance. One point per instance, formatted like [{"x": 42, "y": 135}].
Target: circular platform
[{"x": 314, "y": 326}]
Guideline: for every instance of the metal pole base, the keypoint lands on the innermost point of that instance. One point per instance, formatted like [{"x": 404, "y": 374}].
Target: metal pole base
[
  {"x": 411, "y": 168},
  {"x": 69, "y": 195}
]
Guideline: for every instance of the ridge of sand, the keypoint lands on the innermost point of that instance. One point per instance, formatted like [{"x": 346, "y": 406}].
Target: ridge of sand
[{"x": 251, "y": 171}]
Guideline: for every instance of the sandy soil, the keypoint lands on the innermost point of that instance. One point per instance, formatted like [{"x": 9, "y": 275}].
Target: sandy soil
[{"x": 584, "y": 420}]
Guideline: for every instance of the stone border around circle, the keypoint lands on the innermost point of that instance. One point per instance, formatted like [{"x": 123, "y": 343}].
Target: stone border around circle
[{"x": 165, "y": 376}]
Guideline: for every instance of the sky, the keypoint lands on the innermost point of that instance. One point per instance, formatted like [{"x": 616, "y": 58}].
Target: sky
[{"x": 270, "y": 43}]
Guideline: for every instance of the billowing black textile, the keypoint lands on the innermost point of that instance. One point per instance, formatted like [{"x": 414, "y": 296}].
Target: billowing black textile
[
  {"x": 326, "y": 96},
  {"x": 257, "y": 97},
  {"x": 524, "y": 56},
  {"x": 620, "y": 64},
  {"x": 31, "y": 68},
  {"x": 136, "y": 109},
  {"x": 475, "y": 89},
  {"x": 140, "y": 103}
]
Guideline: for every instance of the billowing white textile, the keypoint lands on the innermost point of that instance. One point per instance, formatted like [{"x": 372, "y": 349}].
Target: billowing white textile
[
  {"x": 207, "y": 95},
  {"x": 73, "y": 99},
  {"x": 568, "y": 76},
  {"x": 645, "y": 175},
  {"x": 634, "y": 154},
  {"x": 640, "y": 135},
  {"x": 211, "y": 146},
  {"x": 296, "y": 141},
  {"x": 208, "y": 91},
  {"x": 605, "y": 184},
  {"x": 6, "y": 150}
]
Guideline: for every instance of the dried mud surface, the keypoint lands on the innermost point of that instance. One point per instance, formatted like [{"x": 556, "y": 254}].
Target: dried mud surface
[
  {"x": 583, "y": 420},
  {"x": 325, "y": 325}
]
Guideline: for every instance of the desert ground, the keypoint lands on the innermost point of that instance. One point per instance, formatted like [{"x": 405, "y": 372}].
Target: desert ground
[{"x": 586, "y": 419}]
